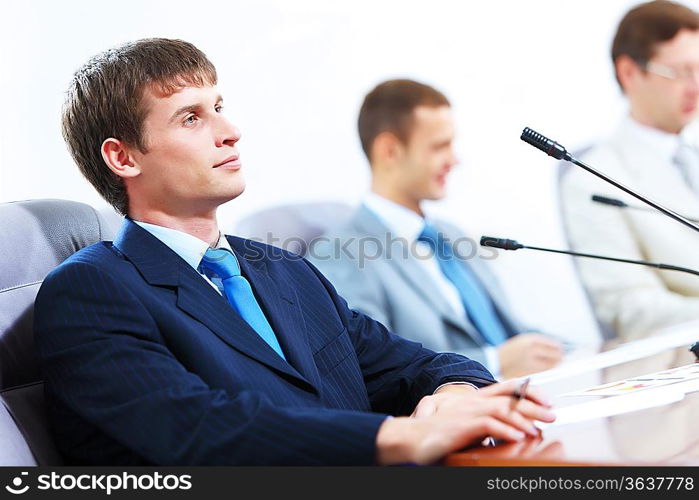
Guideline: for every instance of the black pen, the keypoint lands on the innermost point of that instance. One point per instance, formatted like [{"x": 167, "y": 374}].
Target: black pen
[{"x": 520, "y": 393}]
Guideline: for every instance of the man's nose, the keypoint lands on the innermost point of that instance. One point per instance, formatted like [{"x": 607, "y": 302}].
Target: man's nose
[
  {"x": 227, "y": 133},
  {"x": 454, "y": 160}
]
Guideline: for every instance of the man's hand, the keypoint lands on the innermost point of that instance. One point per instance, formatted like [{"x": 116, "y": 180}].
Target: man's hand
[
  {"x": 495, "y": 400},
  {"x": 458, "y": 416},
  {"x": 528, "y": 353}
]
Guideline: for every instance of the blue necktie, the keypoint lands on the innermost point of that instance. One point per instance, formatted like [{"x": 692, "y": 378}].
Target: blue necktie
[
  {"x": 239, "y": 293},
  {"x": 479, "y": 307}
]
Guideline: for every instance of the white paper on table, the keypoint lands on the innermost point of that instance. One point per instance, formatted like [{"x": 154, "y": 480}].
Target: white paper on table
[
  {"x": 688, "y": 387},
  {"x": 677, "y": 336},
  {"x": 642, "y": 382},
  {"x": 608, "y": 407}
]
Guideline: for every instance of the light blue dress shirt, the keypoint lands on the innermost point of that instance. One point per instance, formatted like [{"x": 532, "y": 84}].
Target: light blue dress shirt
[{"x": 189, "y": 247}]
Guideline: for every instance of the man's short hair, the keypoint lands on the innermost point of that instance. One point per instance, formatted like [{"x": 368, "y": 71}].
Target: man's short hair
[
  {"x": 105, "y": 99},
  {"x": 389, "y": 108},
  {"x": 647, "y": 25}
]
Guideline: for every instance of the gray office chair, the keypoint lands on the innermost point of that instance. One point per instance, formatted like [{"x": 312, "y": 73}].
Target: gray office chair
[
  {"x": 293, "y": 227},
  {"x": 35, "y": 236},
  {"x": 111, "y": 220}
]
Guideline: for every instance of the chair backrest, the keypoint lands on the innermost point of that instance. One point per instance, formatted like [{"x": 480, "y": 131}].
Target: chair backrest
[
  {"x": 111, "y": 220},
  {"x": 35, "y": 236},
  {"x": 293, "y": 227}
]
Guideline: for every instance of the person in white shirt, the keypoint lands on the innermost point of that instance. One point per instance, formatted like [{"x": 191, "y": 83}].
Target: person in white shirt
[
  {"x": 423, "y": 279},
  {"x": 656, "y": 59}
]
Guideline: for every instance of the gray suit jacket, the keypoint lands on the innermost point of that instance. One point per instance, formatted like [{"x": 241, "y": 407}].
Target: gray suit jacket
[{"x": 385, "y": 281}]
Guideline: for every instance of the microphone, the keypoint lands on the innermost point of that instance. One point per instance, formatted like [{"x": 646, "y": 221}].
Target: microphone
[
  {"x": 505, "y": 244},
  {"x": 695, "y": 349},
  {"x": 552, "y": 148},
  {"x": 606, "y": 200}
]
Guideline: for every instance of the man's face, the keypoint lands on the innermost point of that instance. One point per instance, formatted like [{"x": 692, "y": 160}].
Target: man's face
[
  {"x": 191, "y": 165},
  {"x": 664, "y": 102},
  {"x": 428, "y": 156}
]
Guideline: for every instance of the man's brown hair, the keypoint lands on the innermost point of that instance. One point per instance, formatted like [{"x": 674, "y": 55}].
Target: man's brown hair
[
  {"x": 647, "y": 25},
  {"x": 105, "y": 99},
  {"x": 389, "y": 108}
]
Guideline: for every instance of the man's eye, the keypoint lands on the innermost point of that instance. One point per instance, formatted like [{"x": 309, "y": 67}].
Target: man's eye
[
  {"x": 219, "y": 108},
  {"x": 190, "y": 119}
]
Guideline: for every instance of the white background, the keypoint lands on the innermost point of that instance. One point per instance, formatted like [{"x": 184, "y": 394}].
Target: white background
[{"x": 293, "y": 75}]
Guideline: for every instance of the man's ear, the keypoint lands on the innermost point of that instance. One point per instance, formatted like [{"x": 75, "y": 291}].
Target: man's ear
[
  {"x": 387, "y": 148},
  {"x": 118, "y": 158},
  {"x": 627, "y": 71}
]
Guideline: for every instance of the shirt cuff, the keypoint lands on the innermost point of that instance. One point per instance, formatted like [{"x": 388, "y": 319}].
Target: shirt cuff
[
  {"x": 454, "y": 383},
  {"x": 492, "y": 360}
]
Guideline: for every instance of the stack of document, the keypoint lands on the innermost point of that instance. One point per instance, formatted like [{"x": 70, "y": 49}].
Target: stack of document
[{"x": 637, "y": 393}]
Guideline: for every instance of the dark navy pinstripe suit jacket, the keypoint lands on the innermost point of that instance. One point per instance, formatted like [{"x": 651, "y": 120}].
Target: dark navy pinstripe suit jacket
[{"x": 145, "y": 363}]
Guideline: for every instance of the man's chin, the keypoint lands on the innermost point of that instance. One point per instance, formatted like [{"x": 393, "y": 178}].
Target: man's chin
[
  {"x": 437, "y": 194},
  {"x": 689, "y": 114},
  {"x": 231, "y": 195}
]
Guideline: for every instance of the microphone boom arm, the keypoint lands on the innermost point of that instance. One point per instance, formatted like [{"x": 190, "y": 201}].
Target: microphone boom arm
[
  {"x": 552, "y": 148},
  {"x": 507, "y": 244},
  {"x": 657, "y": 265},
  {"x": 670, "y": 213}
]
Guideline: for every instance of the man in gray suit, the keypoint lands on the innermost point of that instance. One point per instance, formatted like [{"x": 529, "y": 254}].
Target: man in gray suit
[{"x": 418, "y": 276}]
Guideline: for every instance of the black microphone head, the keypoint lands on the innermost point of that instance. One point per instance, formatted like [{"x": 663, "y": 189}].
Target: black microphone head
[
  {"x": 608, "y": 201},
  {"x": 505, "y": 244},
  {"x": 551, "y": 148},
  {"x": 695, "y": 349}
]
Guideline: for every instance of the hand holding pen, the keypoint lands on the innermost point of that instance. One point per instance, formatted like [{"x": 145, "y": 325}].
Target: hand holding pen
[
  {"x": 513, "y": 403},
  {"x": 520, "y": 393}
]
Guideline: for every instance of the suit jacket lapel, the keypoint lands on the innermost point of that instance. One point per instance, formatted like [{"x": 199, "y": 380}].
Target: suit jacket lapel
[
  {"x": 489, "y": 283},
  {"x": 367, "y": 222},
  {"x": 502, "y": 309},
  {"x": 280, "y": 305},
  {"x": 160, "y": 266}
]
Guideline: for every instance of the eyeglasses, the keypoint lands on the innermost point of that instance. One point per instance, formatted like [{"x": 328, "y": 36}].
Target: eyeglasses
[{"x": 685, "y": 74}]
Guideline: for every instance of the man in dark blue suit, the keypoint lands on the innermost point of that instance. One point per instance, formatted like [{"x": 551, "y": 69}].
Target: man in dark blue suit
[{"x": 176, "y": 345}]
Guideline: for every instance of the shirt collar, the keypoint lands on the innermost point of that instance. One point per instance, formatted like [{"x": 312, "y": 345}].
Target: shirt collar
[
  {"x": 663, "y": 143},
  {"x": 401, "y": 221},
  {"x": 189, "y": 247}
]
